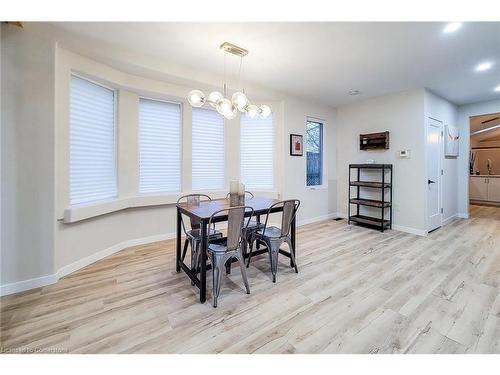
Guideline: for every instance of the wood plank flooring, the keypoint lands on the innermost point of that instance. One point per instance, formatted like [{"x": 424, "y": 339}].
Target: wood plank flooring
[{"x": 357, "y": 291}]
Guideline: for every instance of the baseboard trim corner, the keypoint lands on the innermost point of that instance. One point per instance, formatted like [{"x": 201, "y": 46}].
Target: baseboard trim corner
[
  {"x": 24, "y": 285},
  {"x": 450, "y": 219},
  {"x": 418, "y": 232}
]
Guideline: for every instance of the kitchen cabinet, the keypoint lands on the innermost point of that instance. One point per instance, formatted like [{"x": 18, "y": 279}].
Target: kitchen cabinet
[
  {"x": 494, "y": 189},
  {"x": 484, "y": 188},
  {"x": 478, "y": 188}
]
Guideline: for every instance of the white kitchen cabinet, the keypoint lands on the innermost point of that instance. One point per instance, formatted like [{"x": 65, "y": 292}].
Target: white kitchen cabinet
[
  {"x": 478, "y": 188},
  {"x": 494, "y": 189}
]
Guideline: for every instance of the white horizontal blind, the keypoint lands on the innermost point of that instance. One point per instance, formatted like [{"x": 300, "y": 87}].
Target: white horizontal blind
[
  {"x": 208, "y": 150},
  {"x": 92, "y": 142},
  {"x": 159, "y": 146},
  {"x": 256, "y": 152}
]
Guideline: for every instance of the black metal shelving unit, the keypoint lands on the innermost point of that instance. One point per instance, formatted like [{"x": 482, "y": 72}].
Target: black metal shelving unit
[{"x": 384, "y": 185}]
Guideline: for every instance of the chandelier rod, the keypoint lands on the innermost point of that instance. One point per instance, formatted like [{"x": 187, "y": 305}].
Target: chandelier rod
[{"x": 224, "y": 83}]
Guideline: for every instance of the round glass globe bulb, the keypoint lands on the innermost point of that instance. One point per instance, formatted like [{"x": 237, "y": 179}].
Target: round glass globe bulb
[
  {"x": 252, "y": 110},
  {"x": 265, "y": 111},
  {"x": 240, "y": 100},
  {"x": 226, "y": 108},
  {"x": 196, "y": 98},
  {"x": 214, "y": 97}
]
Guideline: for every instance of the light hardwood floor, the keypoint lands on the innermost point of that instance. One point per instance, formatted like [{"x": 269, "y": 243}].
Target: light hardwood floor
[{"x": 357, "y": 291}]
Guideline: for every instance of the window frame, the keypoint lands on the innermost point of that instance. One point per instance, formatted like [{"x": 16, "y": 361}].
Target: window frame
[
  {"x": 323, "y": 177},
  {"x": 181, "y": 152},
  {"x": 116, "y": 136}
]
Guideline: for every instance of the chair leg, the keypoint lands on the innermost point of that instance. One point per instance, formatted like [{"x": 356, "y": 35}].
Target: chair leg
[
  {"x": 273, "y": 255},
  {"x": 243, "y": 271},
  {"x": 250, "y": 252},
  {"x": 186, "y": 243},
  {"x": 217, "y": 262},
  {"x": 292, "y": 254},
  {"x": 228, "y": 266}
]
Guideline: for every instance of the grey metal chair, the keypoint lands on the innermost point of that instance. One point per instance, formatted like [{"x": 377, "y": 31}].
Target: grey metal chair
[
  {"x": 220, "y": 254},
  {"x": 253, "y": 225},
  {"x": 193, "y": 232},
  {"x": 274, "y": 237}
]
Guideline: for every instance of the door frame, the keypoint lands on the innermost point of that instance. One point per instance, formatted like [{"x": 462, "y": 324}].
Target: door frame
[{"x": 440, "y": 175}]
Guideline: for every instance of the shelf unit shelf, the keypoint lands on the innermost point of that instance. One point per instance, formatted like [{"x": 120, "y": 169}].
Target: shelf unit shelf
[{"x": 385, "y": 187}]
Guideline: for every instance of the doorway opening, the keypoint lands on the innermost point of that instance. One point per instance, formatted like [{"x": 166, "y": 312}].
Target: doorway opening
[{"x": 484, "y": 160}]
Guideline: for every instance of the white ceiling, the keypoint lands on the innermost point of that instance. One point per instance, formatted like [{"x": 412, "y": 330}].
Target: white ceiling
[{"x": 323, "y": 61}]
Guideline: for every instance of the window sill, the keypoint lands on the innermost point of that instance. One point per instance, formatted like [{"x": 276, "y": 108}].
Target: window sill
[
  {"x": 318, "y": 187},
  {"x": 88, "y": 211}
]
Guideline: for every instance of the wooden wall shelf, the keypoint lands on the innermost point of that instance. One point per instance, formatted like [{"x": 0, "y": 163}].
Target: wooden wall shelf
[{"x": 374, "y": 141}]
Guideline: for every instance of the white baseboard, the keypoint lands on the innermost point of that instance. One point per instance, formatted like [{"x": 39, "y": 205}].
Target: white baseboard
[
  {"x": 39, "y": 282},
  {"x": 317, "y": 218},
  {"x": 79, "y": 264},
  {"x": 21, "y": 286},
  {"x": 401, "y": 228},
  {"x": 463, "y": 216},
  {"x": 448, "y": 220}
]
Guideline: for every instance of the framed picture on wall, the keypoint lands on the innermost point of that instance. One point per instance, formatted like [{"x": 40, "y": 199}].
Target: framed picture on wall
[
  {"x": 296, "y": 145},
  {"x": 451, "y": 141}
]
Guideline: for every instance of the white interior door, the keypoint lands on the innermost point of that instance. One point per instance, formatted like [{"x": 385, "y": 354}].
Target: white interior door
[{"x": 434, "y": 148}]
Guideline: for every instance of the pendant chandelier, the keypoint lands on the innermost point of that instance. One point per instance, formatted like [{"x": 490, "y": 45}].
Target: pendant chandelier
[{"x": 238, "y": 102}]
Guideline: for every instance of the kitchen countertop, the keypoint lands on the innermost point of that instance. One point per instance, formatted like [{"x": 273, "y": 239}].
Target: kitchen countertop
[{"x": 486, "y": 175}]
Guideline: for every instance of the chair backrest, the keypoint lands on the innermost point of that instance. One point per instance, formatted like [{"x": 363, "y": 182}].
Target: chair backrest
[
  {"x": 249, "y": 193},
  {"x": 194, "y": 223},
  {"x": 290, "y": 207},
  {"x": 236, "y": 223}
]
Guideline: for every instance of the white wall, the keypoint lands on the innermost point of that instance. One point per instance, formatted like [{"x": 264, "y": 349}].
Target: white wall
[
  {"x": 27, "y": 212},
  {"x": 464, "y": 112},
  {"x": 35, "y": 154},
  {"x": 442, "y": 110},
  {"x": 401, "y": 114},
  {"x": 319, "y": 201}
]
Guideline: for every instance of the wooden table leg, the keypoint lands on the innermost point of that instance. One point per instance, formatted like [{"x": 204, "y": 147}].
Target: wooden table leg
[
  {"x": 178, "y": 246},
  {"x": 203, "y": 267},
  {"x": 293, "y": 240}
]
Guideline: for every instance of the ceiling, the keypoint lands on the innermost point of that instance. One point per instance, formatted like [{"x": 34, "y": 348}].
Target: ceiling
[{"x": 321, "y": 61}]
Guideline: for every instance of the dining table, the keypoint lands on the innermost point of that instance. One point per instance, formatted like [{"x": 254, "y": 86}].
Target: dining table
[{"x": 202, "y": 212}]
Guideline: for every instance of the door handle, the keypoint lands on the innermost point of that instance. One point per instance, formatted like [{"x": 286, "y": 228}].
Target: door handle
[{"x": 430, "y": 182}]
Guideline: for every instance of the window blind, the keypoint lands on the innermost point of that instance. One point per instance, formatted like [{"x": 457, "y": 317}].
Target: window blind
[
  {"x": 208, "y": 150},
  {"x": 256, "y": 152},
  {"x": 92, "y": 142},
  {"x": 159, "y": 146}
]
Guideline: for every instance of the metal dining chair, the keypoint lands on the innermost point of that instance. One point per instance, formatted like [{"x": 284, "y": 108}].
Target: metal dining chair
[
  {"x": 193, "y": 232},
  {"x": 220, "y": 254},
  {"x": 253, "y": 225},
  {"x": 274, "y": 237}
]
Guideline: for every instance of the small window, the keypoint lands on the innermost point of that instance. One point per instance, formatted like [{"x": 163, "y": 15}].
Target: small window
[
  {"x": 207, "y": 150},
  {"x": 92, "y": 166},
  {"x": 159, "y": 146},
  {"x": 314, "y": 153},
  {"x": 256, "y": 152}
]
